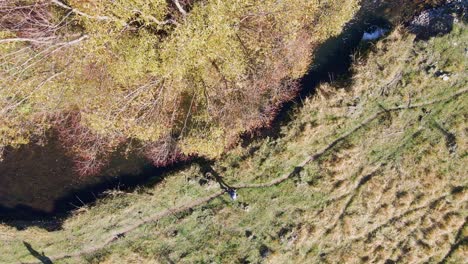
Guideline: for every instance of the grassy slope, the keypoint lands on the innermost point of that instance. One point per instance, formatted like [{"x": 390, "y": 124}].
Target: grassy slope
[{"x": 391, "y": 190}]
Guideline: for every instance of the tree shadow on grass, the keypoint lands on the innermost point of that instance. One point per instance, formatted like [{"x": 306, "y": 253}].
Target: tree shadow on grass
[{"x": 40, "y": 256}]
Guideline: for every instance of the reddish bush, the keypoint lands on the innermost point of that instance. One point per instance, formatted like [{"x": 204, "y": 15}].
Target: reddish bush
[
  {"x": 90, "y": 152},
  {"x": 27, "y": 20},
  {"x": 165, "y": 152}
]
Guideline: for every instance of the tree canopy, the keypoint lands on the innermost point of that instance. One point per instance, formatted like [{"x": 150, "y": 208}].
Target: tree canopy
[{"x": 176, "y": 76}]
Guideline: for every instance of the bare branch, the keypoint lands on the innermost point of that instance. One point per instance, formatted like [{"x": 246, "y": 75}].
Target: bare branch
[
  {"x": 179, "y": 7},
  {"x": 38, "y": 40},
  {"x": 80, "y": 13},
  {"x": 107, "y": 18}
]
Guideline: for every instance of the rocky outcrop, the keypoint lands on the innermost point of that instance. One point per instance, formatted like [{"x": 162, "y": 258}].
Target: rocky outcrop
[
  {"x": 458, "y": 6},
  {"x": 438, "y": 21}
]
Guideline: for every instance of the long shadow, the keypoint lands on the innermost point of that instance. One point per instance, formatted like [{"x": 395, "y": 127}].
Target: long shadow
[
  {"x": 206, "y": 168},
  {"x": 24, "y": 216},
  {"x": 38, "y": 186},
  {"x": 332, "y": 61},
  {"x": 333, "y": 58},
  {"x": 40, "y": 256}
]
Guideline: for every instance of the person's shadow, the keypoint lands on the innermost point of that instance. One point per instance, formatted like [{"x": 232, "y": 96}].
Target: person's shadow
[
  {"x": 206, "y": 168},
  {"x": 208, "y": 171},
  {"x": 41, "y": 257}
]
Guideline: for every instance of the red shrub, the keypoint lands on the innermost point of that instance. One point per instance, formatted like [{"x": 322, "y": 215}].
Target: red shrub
[
  {"x": 165, "y": 152},
  {"x": 27, "y": 20},
  {"x": 90, "y": 152}
]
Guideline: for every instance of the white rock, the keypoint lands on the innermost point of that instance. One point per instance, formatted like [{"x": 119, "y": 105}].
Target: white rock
[{"x": 373, "y": 35}]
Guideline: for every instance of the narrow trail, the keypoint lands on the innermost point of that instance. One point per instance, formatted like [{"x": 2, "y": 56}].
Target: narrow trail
[{"x": 114, "y": 236}]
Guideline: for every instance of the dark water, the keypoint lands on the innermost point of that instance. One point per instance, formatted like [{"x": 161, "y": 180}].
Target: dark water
[
  {"x": 38, "y": 185},
  {"x": 39, "y": 182}
]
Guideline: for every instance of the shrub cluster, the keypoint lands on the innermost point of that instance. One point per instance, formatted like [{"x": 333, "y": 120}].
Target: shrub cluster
[{"x": 179, "y": 76}]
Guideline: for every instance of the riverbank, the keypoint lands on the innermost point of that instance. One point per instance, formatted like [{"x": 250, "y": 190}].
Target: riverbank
[
  {"x": 41, "y": 181},
  {"x": 368, "y": 169}
]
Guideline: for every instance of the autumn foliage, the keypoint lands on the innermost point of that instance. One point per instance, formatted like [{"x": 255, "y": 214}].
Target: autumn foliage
[{"x": 178, "y": 77}]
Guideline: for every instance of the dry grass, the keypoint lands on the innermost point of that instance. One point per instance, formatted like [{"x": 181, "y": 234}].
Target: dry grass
[{"x": 393, "y": 191}]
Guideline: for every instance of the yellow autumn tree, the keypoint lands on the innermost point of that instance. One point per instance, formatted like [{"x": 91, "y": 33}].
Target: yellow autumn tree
[{"x": 184, "y": 76}]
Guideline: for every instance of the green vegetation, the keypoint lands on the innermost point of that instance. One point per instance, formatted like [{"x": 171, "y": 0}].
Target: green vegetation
[
  {"x": 185, "y": 77},
  {"x": 392, "y": 188}
]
